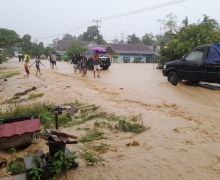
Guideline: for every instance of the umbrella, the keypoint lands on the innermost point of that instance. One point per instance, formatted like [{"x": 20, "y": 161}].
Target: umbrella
[{"x": 98, "y": 50}]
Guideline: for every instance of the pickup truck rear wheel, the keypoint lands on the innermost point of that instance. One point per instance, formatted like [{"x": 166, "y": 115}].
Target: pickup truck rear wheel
[
  {"x": 105, "y": 67},
  {"x": 173, "y": 78}
]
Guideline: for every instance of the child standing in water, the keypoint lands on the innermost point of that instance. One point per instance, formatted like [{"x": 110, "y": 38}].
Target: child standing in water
[
  {"x": 84, "y": 66},
  {"x": 37, "y": 64},
  {"x": 26, "y": 68}
]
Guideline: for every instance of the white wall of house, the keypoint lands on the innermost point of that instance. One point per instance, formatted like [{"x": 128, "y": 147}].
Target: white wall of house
[{"x": 130, "y": 58}]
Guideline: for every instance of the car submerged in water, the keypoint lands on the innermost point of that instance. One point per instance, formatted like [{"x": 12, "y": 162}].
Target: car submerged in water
[
  {"x": 201, "y": 64},
  {"x": 104, "y": 58}
]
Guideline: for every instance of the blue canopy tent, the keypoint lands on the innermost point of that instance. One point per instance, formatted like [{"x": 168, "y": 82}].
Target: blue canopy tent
[{"x": 214, "y": 54}]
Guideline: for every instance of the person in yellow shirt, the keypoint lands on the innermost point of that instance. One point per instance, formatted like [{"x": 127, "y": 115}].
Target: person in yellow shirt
[{"x": 27, "y": 57}]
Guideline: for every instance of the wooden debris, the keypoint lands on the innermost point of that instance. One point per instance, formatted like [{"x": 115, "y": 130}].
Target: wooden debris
[
  {"x": 25, "y": 92},
  {"x": 62, "y": 134}
]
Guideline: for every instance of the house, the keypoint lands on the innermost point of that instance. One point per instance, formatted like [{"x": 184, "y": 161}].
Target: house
[
  {"x": 132, "y": 53},
  {"x": 63, "y": 45}
]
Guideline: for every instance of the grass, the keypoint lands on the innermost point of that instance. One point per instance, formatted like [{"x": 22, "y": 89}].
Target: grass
[
  {"x": 43, "y": 111},
  {"x": 88, "y": 114},
  {"x": 103, "y": 119},
  {"x": 122, "y": 123},
  {"x": 90, "y": 157},
  {"x": 8, "y": 74},
  {"x": 92, "y": 135},
  {"x": 102, "y": 148},
  {"x": 104, "y": 124},
  {"x": 126, "y": 126},
  {"x": 34, "y": 96}
]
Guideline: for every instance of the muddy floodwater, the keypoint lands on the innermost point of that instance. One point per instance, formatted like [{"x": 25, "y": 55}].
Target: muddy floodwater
[
  {"x": 183, "y": 141},
  {"x": 149, "y": 82}
]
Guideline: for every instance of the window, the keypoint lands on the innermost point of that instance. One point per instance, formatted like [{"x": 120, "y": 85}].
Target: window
[
  {"x": 126, "y": 59},
  {"x": 137, "y": 59},
  {"x": 195, "y": 55}
]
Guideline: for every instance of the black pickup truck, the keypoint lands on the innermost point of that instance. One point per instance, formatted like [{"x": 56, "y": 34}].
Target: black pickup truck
[
  {"x": 201, "y": 64},
  {"x": 104, "y": 59}
]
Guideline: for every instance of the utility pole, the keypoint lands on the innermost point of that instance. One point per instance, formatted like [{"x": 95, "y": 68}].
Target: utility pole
[
  {"x": 97, "y": 25},
  {"x": 161, "y": 21},
  {"x": 97, "y": 22}
]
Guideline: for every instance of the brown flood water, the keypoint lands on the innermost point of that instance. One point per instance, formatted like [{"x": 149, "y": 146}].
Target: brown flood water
[
  {"x": 183, "y": 142},
  {"x": 149, "y": 82}
]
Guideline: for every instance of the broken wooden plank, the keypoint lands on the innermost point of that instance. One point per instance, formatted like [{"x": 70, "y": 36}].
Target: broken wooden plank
[
  {"x": 55, "y": 138},
  {"x": 63, "y": 134}
]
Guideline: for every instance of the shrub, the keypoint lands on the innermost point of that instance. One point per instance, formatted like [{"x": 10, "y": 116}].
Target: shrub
[
  {"x": 36, "y": 173},
  {"x": 16, "y": 166},
  {"x": 61, "y": 162},
  {"x": 129, "y": 127}
]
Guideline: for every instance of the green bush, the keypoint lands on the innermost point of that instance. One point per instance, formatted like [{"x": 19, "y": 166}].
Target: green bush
[
  {"x": 36, "y": 173},
  {"x": 61, "y": 162},
  {"x": 16, "y": 166}
]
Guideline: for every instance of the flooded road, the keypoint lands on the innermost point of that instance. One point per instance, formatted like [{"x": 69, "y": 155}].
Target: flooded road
[
  {"x": 183, "y": 141},
  {"x": 149, "y": 82}
]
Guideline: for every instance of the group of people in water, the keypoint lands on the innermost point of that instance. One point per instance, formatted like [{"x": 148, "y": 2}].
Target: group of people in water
[{"x": 80, "y": 63}]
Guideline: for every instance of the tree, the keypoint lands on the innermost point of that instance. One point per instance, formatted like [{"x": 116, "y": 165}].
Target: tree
[
  {"x": 37, "y": 49},
  {"x": 8, "y": 38},
  {"x": 92, "y": 34},
  {"x": 41, "y": 48},
  {"x": 26, "y": 44},
  {"x": 48, "y": 51},
  {"x": 68, "y": 37},
  {"x": 170, "y": 23},
  {"x": 185, "y": 22},
  {"x": 148, "y": 39},
  {"x": 75, "y": 49},
  {"x": 189, "y": 37},
  {"x": 133, "y": 39}
]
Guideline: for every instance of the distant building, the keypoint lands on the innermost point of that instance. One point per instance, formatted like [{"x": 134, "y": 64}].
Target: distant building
[
  {"x": 63, "y": 45},
  {"x": 120, "y": 52},
  {"x": 132, "y": 53}
]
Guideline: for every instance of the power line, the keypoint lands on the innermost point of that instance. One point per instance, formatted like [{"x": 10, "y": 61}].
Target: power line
[
  {"x": 69, "y": 31},
  {"x": 146, "y": 9},
  {"x": 157, "y": 6}
]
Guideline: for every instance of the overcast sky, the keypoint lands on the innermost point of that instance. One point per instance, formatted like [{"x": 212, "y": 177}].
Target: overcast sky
[{"x": 42, "y": 18}]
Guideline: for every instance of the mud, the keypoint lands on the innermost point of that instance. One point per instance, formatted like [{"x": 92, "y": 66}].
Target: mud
[{"x": 183, "y": 142}]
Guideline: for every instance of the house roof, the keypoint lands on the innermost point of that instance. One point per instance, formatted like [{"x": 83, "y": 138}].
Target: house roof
[
  {"x": 19, "y": 128},
  {"x": 63, "y": 45},
  {"x": 140, "y": 49}
]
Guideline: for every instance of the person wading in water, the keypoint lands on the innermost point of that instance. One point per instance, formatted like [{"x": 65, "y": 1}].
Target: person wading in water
[
  {"x": 26, "y": 68},
  {"x": 96, "y": 65},
  {"x": 37, "y": 63}
]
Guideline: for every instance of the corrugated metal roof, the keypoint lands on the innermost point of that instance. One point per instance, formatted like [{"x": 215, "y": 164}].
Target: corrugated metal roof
[
  {"x": 140, "y": 49},
  {"x": 19, "y": 128}
]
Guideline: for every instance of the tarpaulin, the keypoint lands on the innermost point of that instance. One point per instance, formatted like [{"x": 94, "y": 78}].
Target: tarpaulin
[
  {"x": 19, "y": 128},
  {"x": 214, "y": 54}
]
